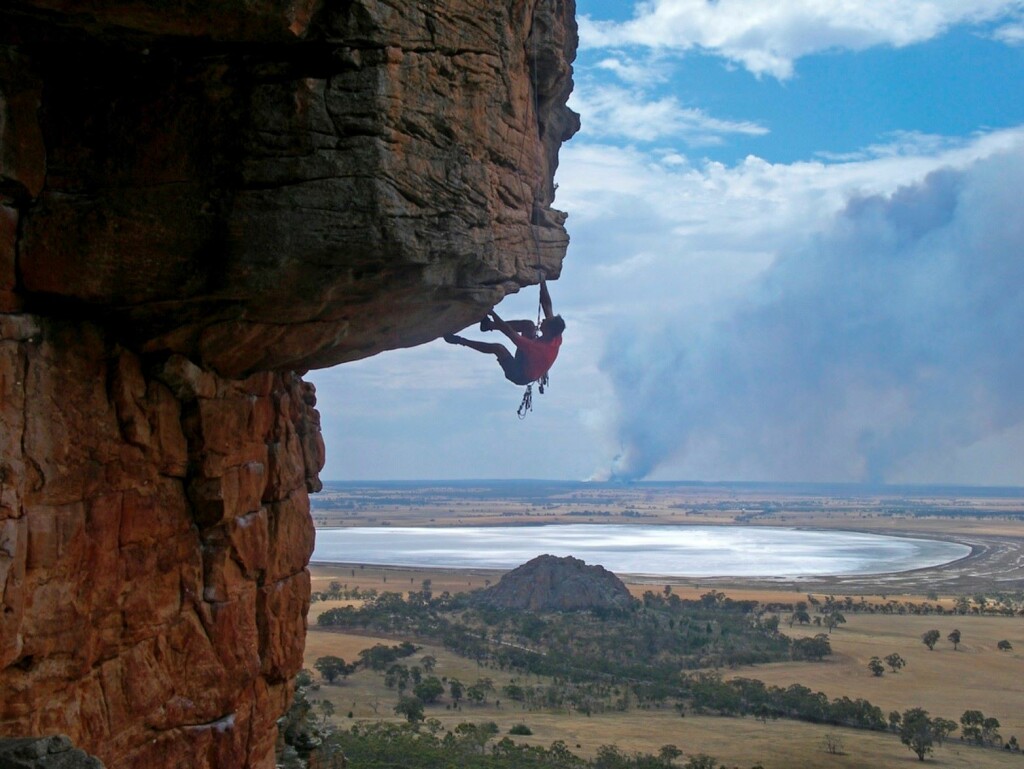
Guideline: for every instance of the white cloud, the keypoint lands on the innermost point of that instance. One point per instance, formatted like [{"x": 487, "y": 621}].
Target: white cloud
[
  {"x": 829, "y": 320},
  {"x": 1011, "y": 34},
  {"x": 637, "y": 73},
  {"x": 899, "y": 143},
  {"x": 654, "y": 236},
  {"x": 612, "y": 111},
  {"x": 767, "y": 38},
  {"x": 754, "y": 201}
]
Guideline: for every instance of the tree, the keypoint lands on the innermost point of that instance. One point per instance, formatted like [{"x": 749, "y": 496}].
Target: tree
[
  {"x": 478, "y": 691},
  {"x": 476, "y": 694},
  {"x": 411, "y": 708},
  {"x": 429, "y": 689},
  {"x": 330, "y": 667},
  {"x": 1004, "y": 646},
  {"x": 942, "y": 728},
  {"x": 972, "y": 721},
  {"x": 954, "y": 638},
  {"x": 812, "y": 648},
  {"x": 990, "y": 731},
  {"x": 397, "y": 675},
  {"x": 611, "y": 757},
  {"x": 379, "y": 656},
  {"x": 456, "y": 690},
  {"x": 916, "y": 731},
  {"x": 980, "y": 729},
  {"x": 429, "y": 662},
  {"x": 895, "y": 719},
  {"x": 700, "y": 761},
  {"x": 833, "y": 745},
  {"x": 895, "y": 661},
  {"x": 833, "y": 620},
  {"x": 875, "y": 666},
  {"x": 712, "y": 598},
  {"x": 930, "y": 638},
  {"x": 801, "y": 616},
  {"x": 668, "y": 754},
  {"x": 326, "y": 708},
  {"x": 477, "y": 735}
]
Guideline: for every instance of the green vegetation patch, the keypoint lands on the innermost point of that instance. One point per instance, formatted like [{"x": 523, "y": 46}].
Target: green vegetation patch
[{"x": 648, "y": 644}]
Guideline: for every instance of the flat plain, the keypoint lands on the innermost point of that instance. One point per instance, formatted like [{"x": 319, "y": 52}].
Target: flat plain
[{"x": 944, "y": 681}]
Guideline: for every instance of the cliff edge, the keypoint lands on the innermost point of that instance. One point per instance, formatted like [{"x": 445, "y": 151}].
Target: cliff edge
[{"x": 197, "y": 204}]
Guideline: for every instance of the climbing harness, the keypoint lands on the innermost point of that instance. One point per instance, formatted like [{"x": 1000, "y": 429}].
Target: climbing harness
[{"x": 526, "y": 405}]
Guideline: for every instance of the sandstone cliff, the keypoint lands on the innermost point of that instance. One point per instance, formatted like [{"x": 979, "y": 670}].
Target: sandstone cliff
[
  {"x": 197, "y": 201},
  {"x": 550, "y": 583}
]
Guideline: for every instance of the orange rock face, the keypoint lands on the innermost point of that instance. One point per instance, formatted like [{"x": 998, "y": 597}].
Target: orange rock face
[
  {"x": 197, "y": 200},
  {"x": 273, "y": 184},
  {"x": 154, "y": 536}
]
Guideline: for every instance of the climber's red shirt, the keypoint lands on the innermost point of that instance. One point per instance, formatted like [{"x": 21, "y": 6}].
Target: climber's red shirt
[{"x": 535, "y": 356}]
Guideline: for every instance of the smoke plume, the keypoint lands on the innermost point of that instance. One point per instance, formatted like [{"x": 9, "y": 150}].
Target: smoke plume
[{"x": 887, "y": 343}]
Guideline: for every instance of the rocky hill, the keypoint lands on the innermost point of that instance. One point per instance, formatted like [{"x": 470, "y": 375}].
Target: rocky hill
[
  {"x": 198, "y": 202},
  {"x": 551, "y": 583}
]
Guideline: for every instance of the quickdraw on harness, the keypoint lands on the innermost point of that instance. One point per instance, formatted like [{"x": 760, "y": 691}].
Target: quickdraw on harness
[{"x": 527, "y": 404}]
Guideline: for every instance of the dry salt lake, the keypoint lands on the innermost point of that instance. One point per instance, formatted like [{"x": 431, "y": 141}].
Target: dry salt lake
[{"x": 685, "y": 551}]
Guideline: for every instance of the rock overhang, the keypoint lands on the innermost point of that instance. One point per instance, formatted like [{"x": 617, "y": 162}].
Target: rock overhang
[{"x": 282, "y": 185}]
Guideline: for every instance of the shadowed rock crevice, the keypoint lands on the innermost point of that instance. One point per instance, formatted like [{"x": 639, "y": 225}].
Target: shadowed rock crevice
[{"x": 54, "y": 752}]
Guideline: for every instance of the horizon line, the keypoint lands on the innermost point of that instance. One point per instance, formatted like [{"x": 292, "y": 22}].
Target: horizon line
[{"x": 688, "y": 482}]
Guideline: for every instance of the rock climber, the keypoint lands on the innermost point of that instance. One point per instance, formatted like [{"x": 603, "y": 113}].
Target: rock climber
[{"x": 534, "y": 354}]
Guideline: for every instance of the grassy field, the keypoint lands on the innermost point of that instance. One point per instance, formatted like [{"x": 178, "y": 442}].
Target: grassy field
[
  {"x": 943, "y": 681},
  {"x": 739, "y": 742},
  {"x": 397, "y": 579}
]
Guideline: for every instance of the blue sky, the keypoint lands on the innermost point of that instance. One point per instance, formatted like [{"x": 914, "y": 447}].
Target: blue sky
[{"x": 797, "y": 254}]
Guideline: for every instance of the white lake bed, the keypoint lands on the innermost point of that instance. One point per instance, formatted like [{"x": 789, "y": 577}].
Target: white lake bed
[{"x": 684, "y": 551}]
